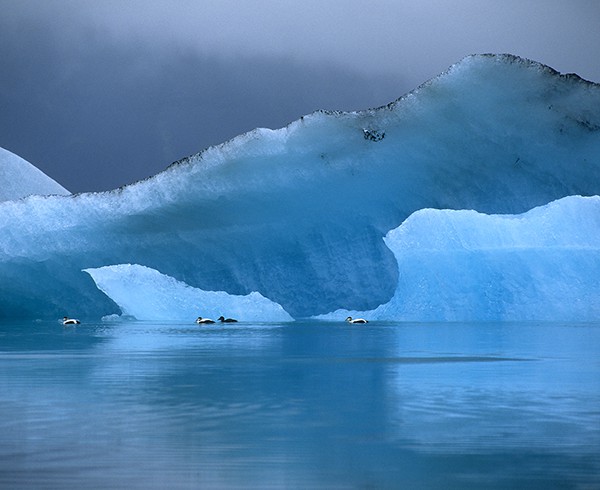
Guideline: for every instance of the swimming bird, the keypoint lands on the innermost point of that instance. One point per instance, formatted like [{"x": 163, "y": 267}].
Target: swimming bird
[
  {"x": 356, "y": 320},
  {"x": 227, "y": 320},
  {"x": 204, "y": 320},
  {"x": 70, "y": 321}
]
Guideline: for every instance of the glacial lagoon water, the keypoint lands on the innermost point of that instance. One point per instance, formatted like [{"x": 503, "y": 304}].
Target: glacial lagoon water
[{"x": 310, "y": 404}]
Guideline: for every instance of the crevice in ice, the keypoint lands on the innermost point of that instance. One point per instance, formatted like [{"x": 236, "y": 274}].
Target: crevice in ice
[{"x": 373, "y": 134}]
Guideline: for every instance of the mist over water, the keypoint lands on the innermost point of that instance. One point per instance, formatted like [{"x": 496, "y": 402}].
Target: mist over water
[{"x": 299, "y": 405}]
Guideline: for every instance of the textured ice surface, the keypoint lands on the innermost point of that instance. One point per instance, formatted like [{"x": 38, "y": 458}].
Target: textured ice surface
[
  {"x": 464, "y": 265},
  {"x": 298, "y": 214},
  {"x": 19, "y": 178},
  {"x": 146, "y": 294}
]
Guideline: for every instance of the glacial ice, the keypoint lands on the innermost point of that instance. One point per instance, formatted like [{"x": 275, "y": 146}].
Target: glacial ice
[
  {"x": 19, "y": 178},
  {"x": 298, "y": 214},
  {"x": 467, "y": 266},
  {"x": 146, "y": 294}
]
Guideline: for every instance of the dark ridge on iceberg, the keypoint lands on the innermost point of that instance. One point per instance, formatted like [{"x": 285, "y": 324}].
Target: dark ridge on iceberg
[
  {"x": 511, "y": 58},
  {"x": 298, "y": 214},
  {"x": 506, "y": 58}
]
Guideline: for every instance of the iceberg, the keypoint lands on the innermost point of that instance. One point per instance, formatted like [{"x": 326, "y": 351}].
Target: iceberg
[
  {"x": 299, "y": 214},
  {"x": 146, "y": 294},
  {"x": 19, "y": 178},
  {"x": 453, "y": 265}
]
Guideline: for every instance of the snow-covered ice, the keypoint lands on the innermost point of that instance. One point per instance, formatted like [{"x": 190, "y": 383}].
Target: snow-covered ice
[{"x": 19, "y": 178}]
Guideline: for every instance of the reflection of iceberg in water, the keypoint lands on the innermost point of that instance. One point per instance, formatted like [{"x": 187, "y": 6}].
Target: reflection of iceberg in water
[
  {"x": 527, "y": 388},
  {"x": 468, "y": 266},
  {"x": 441, "y": 414},
  {"x": 146, "y": 294},
  {"x": 298, "y": 214}
]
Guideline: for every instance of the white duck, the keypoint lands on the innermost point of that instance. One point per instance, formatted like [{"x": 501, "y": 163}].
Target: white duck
[{"x": 356, "y": 320}]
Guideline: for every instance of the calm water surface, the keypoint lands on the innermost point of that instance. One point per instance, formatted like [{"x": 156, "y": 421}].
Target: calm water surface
[{"x": 299, "y": 405}]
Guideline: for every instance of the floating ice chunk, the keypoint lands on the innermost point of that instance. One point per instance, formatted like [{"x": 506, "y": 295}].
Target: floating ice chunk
[
  {"x": 469, "y": 266},
  {"x": 146, "y": 294}
]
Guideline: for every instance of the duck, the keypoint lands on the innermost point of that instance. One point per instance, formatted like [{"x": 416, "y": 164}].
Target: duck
[
  {"x": 227, "y": 320},
  {"x": 356, "y": 320},
  {"x": 204, "y": 320},
  {"x": 70, "y": 321}
]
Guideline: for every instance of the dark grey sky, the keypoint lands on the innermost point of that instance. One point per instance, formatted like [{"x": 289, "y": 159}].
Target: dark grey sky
[{"x": 100, "y": 94}]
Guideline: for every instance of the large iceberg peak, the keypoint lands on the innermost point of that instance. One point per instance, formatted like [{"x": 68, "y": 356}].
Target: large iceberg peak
[
  {"x": 19, "y": 178},
  {"x": 483, "y": 109}
]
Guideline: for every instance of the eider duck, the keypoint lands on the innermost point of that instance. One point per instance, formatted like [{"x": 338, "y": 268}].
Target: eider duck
[
  {"x": 227, "y": 320},
  {"x": 204, "y": 320},
  {"x": 356, "y": 320},
  {"x": 70, "y": 321}
]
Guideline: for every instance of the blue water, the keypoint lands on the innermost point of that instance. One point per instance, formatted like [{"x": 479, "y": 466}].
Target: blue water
[{"x": 300, "y": 405}]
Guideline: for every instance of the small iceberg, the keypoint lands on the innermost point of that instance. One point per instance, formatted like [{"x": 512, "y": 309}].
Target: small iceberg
[
  {"x": 19, "y": 178},
  {"x": 461, "y": 265},
  {"x": 146, "y": 294}
]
